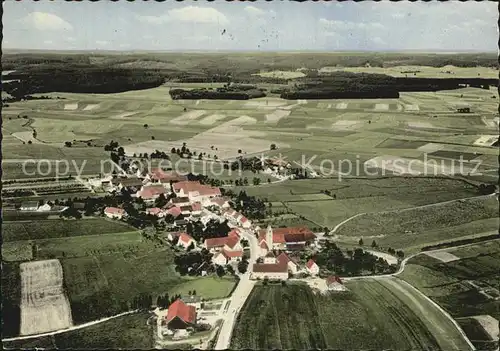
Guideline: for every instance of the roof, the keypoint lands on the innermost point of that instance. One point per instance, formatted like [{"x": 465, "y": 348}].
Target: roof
[
  {"x": 154, "y": 210},
  {"x": 166, "y": 176},
  {"x": 230, "y": 254},
  {"x": 189, "y": 186},
  {"x": 270, "y": 268},
  {"x": 333, "y": 279},
  {"x": 310, "y": 264},
  {"x": 178, "y": 200},
  {"x": 219, "y": 201},
  {"x": 174, "y": 211},
  {"x": 150, "y": 191},
  {"x": 295, "y": 247},
  {"x": 234, "y": 232},
  {"x": 215, "y": 242},
  {"x": 243, "y": 219},
  {"x": 196, "y": 206},
  {"x": 191, "y": 299},
  {"x": 270, "y": 254},
  {"x": 114, "y": 210},
  {"x": 283, "y": 258},
  {"x": 185, "y": 238},
  {"x": 182, "y": 311},
  {"x": 126, "y": 182},
  {"x": 263, "y": 245},
  {"x": 186, "y": 208},
  {"x": 230, "y": 241}
]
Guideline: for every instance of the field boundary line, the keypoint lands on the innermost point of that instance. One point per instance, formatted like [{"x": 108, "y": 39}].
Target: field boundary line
[
  {"x": 80, "y": 326},
  {"x": 345, "y": 221}
]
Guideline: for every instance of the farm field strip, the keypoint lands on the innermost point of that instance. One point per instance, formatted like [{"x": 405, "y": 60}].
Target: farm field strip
[{"x": 44, "y": 306}]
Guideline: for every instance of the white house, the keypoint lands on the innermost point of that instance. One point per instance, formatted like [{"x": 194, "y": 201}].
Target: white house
[
  {"x": 270, "y": 258},
  {"x": 312, "y": 268},
  {"x": 29, "y": 206},
  {"x": 245, "y": 222},
  {"x": 219, "y": 258},
  {"x": 155, "y": 211},
  {"x": 185, "y": 240},
  {"x": 196, "y": 192},
  {"x": 224, "y": 257},
  {"x": 269, "y": 271},
  {"x": 114, "y": 212},
  {"x": 335, "y": 283},
  {"x": 44, "y": 208}
]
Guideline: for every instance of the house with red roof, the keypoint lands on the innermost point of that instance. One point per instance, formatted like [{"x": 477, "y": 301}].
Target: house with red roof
[
  {"x": 227, "y": 243},
  {"x": 186, "y": 210},
  {"x": 158, "y": 175},
  {"x": 174, "y": 211},
  {"x": 173, "y": 235},
  {"x": 291, "y": 263},
  {"x": 334, "y": 282},
  {"x": 195, "y": 191},
  {"x": 224, "y": 257},
  {"x": 234, "y": 232},
  {"x": 155, "y": 211},
  {"x": 185, "y": 240},
  {"x": 114, "y": 212},
  {"x": 312, "y": 268},
  {"x": 221, "y": 202},
  {"x": 149, "y": 193},
  {"x": 270, "y": 271},
  {"x": 196, "y": 208},
  {"x": 244, "y": 222},
  {"x": 180, "y": 316}
]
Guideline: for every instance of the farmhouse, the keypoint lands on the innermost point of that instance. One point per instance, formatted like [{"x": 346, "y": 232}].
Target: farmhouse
[
  {"x": 173, "y": 235},
  {"x": 132, "y": 184},
  {"x": 270, "y": 271},
  {"x": 334, "y": 282},
  {"x": 150, "y": 193},
  {"x": 180, "y": 315},
  {"x": 158, "y": 175},
  {"x": 196, "y": 191},
  {"x": 185, "y": 240},
  {"x": 285, "y": 238},
  {"x": 224, "y": 257},
  {"x": 228, "y": 243},
  {"x": 114, "y": 212},
  {"x": 196, "y": 209},
  {"x": 175, "y": 211},
  {"x": 221, "y": 202},
  {"x": 312, "y": 268}
]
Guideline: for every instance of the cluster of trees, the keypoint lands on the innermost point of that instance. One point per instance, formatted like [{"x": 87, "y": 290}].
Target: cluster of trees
[
  {"x": 164, "y": 301},
  {"x": 486, "y": 189},
  {"x": 347, "y": 85},
  {"x": 352, "y": 262},
  {"x": 194, "y": 262},
  {"x": 249, "y": 206},
  {"x": 399, "y": 253},
  {"x": 79, "y": 79},
  {"x": 213, "y": 229},
  {"x": 253, "y": 164},
  {"x": 225, "y": 93}
]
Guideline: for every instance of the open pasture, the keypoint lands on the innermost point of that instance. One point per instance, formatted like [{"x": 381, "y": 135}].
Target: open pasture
[
  {"x": 44, "y": 306},
  {"x": 57, "y": 228},
  {"x": 371, "y": 315}
]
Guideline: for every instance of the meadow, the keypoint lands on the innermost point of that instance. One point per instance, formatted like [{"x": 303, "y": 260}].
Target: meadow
[{"x": 371, "y": 315}]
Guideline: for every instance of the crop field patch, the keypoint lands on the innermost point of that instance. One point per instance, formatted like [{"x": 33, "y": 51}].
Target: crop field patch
[
  {"x": 56, "y": 228},
  {"x": 486, "y": 140},
  {"x": 71, "y": 107},
  {"x": 275, "y": 116},
  {"x": 365, "y": 322},
  {"x": 44, "y": 306},
  {"x": 443, "y": 256},
  {"x": 212, "y": 119},
  {"x": 401, "y": 144},
  {"x": 188, "y": 117},
  {"x": 455, "y": 155}
]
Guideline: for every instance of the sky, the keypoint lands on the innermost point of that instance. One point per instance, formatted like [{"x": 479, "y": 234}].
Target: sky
[{"x": 251, "y": 26}]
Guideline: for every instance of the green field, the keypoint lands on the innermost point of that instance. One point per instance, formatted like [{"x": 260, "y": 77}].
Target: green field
[
  {"x": 57, "y": 228},
  {"x": 134, "y": 333},
  {"x": 371, "y": 315},
  {"x": 208, "y": 287}
]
